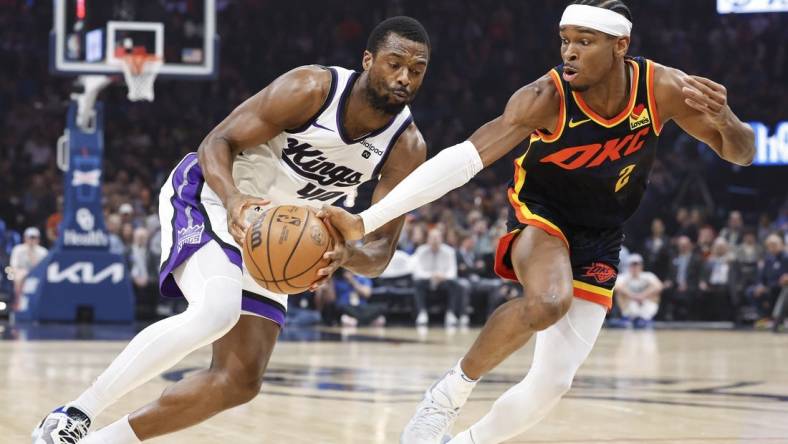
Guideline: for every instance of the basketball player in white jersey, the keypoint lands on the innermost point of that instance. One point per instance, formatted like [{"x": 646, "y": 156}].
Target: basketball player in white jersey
[{"x": 312, "y": 136}]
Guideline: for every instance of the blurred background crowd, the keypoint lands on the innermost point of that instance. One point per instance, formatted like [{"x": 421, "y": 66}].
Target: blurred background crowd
[{"x": 709, "y": 237}]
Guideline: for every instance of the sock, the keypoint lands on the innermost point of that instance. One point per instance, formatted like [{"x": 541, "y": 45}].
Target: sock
[
  {"x": 463, "y": 437},
  {"x": 119, "y": 432},
  {"x": 89, "y": 403},
  {"x": 455, "y": 387}
]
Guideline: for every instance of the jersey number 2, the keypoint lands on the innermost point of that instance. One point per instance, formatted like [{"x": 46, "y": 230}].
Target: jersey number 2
[{"x": 623, "y": 177}]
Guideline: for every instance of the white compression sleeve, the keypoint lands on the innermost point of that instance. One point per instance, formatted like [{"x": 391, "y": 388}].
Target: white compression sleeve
[
  {"x": 212, "y": 285},
  {"x": 560, "y": 351},
  {"x": 450, "y": 169}
]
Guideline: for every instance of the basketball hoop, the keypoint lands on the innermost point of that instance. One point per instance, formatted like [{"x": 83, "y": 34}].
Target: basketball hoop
[{"x": 139, "y": 71}]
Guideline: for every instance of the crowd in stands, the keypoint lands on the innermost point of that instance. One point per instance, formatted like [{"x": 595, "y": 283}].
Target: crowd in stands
[{"x": 713, "y": 261}]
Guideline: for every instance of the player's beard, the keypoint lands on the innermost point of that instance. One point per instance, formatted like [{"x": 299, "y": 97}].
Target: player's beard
[{"x": 381, "y": 102}]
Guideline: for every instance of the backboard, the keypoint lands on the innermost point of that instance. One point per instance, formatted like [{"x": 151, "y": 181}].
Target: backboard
[{"x": 88, "y": 35}]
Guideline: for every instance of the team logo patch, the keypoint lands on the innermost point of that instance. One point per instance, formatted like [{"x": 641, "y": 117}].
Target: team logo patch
[
  {"x": 600, "y": 272},
  {"x": 639, "y": 117},
  {"x": 190, "y": 235}
]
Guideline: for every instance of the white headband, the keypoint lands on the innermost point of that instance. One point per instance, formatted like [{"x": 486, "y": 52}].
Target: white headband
[{"x": 600, "y": 19}]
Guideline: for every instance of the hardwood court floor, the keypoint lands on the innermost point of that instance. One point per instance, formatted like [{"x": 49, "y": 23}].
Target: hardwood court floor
[{"x": 637, "y": 387}]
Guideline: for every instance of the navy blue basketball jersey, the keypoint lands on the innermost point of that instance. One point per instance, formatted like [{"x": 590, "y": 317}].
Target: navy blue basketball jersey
[{"x": 589, "y": 170}]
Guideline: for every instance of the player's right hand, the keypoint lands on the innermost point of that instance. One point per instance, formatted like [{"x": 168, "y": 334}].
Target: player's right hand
[
  {"x": 350, "y": 226},
  {"x": 236, "y": 205}
]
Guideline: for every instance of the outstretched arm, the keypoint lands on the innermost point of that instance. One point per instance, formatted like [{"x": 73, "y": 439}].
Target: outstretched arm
[
  {"x": 533, "y": 106},
  {"x": 700, "y": 107}
]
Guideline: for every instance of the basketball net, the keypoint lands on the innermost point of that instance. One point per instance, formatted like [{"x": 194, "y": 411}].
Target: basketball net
[{"x": 140, "y": 71}]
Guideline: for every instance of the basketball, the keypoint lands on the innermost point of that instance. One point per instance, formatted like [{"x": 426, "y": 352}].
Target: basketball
[{"x": 284, "y": 248}]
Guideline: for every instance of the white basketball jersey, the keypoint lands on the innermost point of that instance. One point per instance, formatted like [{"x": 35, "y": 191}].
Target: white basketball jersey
[{"x": 318, "y": 163}]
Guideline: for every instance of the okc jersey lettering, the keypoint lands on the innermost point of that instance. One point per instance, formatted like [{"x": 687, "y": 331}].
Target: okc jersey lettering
[{"x": 611, "y": 151}]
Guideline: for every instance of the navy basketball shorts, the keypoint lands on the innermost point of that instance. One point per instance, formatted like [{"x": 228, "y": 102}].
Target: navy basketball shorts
[{"x": 593, "y": 252}]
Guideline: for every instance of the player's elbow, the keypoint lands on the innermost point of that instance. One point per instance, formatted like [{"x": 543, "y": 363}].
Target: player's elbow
[{"x": 743, "y": 157}]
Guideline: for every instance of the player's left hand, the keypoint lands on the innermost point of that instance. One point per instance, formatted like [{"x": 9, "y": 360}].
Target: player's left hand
[
  {"x": 708, "y": 97},
  {"x": 337, "y": 258}
]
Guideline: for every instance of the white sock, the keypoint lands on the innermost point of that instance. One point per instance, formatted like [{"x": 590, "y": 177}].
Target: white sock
[
  {"x": 560, "y": 350},
  {"x": 212, "y": 285},
  {"x": 463, "y": 437},
  {"x": 455, "y": 387},
  {"x": 119, "y": 432}
]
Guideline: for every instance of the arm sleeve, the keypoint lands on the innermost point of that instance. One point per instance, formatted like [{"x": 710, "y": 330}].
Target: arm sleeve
[{"x": 450, "y": 169}]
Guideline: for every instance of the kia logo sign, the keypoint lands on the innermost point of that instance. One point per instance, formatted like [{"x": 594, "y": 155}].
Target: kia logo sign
[{"x": 84, "y": 273}]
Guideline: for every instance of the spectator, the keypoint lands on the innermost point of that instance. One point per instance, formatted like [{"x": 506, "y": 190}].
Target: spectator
[
  {"x": 352, "y": 299},
  {"x": 772, "y": 279},
  {"x": 345, "y": 299},
  {"x": 53, "y": 222},
  {"x": 116, "y": 246},
  {"x": 474, "y": 276},
  {"x": 706, "y": 238},
  {"x": 144, "y": 283},
  {"x": 25, "y": 256},
  {"x": 734, "y": 231},
  {"x": 682, "y": 283},
  {"x": 126, "y": 212},
  {"x": 657, "y": 250},
  {"x": 435, "y": 273},
  {"x": 638, "y": 293},
  {"x": 717, "y": 284}
]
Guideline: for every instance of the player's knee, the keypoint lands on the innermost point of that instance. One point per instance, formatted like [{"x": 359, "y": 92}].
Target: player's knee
[
  {"x": 240, "y": 386},
  {"x": 546, "y": 304},
  {"x": 558, "y": 384},
  {"x": 222, "y": 306}
]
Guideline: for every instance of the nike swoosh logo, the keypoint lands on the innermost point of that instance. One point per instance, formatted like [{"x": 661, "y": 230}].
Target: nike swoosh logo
[
  {"x": 321, "y": 126},
  {"x": 573, "y": 124}
]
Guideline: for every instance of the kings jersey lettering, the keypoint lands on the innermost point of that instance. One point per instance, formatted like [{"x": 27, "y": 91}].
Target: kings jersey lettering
[{"x": 311, "y": 163}]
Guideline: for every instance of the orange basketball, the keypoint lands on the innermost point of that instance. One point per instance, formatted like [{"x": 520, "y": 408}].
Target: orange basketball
[{"x": 284, "y": 248}]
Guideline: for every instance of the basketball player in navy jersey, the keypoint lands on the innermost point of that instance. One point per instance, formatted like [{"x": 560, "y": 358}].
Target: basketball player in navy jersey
[
  {"x": 313, "y": 135},
  {"x": 592, "y": 125}
]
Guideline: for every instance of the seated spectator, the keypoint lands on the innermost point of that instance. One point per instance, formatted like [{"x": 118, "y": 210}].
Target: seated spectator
[
  {"x": 657, "y": 250},
  {"x": 772, "y": 279},
  {"x": 717, "y": 284},
  {"x": 435, "y": 273},
  {"x": 144, "y": 283},
  {"x": 346, "y": 297},
  {"x": 473, "y": 274},
  {"x": 682, "y": 282},
  {"x": 507, "y": 291},
  {"x": 706, "y": 238},
  {"x": 25, "y": 256},
  {"x": 638, "y": 293},
  {"x": 734, "y": 231}
]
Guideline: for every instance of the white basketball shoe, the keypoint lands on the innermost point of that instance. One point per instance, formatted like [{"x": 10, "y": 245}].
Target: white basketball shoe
[
  {"x": 65, "y": 425},
  {"x": 433, "y": 419}
]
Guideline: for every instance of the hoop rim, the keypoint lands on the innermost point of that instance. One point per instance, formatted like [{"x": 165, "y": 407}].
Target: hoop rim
[{"x": 136, "y": 62}]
